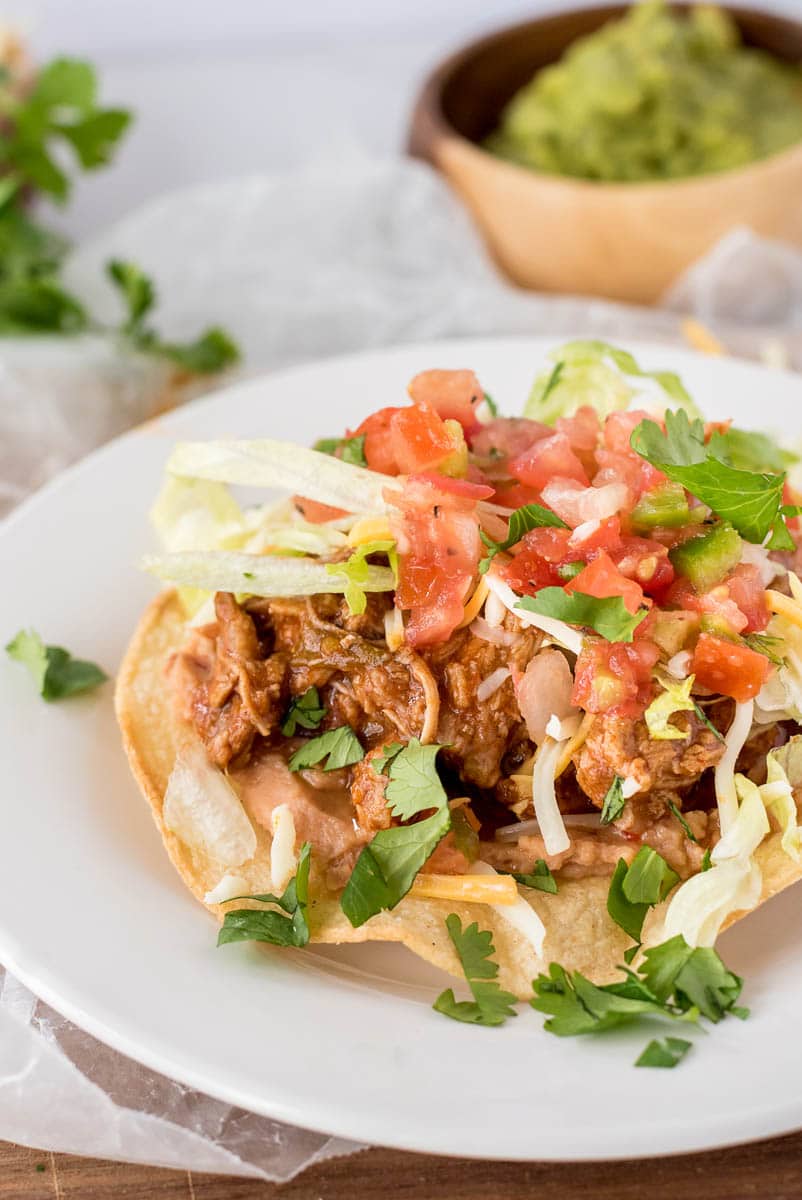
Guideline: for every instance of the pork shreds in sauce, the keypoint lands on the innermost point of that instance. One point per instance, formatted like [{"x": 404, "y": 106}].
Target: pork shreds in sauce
[{"x": 234, "y": 680}]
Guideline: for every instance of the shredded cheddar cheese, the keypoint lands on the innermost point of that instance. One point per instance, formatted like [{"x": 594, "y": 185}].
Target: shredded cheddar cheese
[
  {"x": 470, "y": 889},
  {"x": 474, "y": 605},
  {"x": 784, "y": 606},
  {"x": 700, "y": 338},
  {"x": 573, "y": 745},
  {"x": 370, "y": 529}
]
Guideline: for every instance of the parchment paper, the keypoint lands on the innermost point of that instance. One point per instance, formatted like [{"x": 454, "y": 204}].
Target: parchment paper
[{"x": 325, "y": 261}]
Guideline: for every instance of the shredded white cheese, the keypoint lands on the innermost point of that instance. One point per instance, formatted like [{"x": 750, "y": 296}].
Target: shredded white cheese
[
  {"x": 544, "y": 799},
  {"x": 228, "y": 887},
  {"x": 492, "y": 683},
  {"x": 629, "y": 787},
  {"x": 283, "y": 859},
  {"x": 203, "y": 810},
  {"x": 679, "y": 665},
  {"x": 520, "y": 915},
  {"x": 562, "y": 729},
  {"x": 724, "y": 776},
  {"x": 558, "y": 631}
]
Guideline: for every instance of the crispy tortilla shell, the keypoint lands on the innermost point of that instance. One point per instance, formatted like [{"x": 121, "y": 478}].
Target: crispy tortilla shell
[{"x": 580, "y": 934}]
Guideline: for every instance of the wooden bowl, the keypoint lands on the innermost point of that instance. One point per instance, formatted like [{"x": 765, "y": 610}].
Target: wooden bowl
[{"x": 627, "y": 241}]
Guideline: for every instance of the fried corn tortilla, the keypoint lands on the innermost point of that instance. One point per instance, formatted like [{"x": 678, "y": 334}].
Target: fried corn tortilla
[{"x": 579, "y": 933}]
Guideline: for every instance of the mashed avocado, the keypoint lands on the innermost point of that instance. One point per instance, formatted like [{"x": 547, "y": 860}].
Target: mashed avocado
[{"x": 654, "y": 95}]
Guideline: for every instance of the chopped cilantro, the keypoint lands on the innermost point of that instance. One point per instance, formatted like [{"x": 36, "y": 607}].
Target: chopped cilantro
[
  {"x": 540, "y": 877},
  {"x": 490, "y": 1005},
  {"x": 570, "y": 570},
  {"x": 55, "y": 672},
  {"x": 703, "y": 717},
  {"x": 491, "y": 404},
  {"x": 608, "y": 616},
  {"x": 306, "y": 711},
  {"x": 674, "y": 981},
  {"x": 749, "y": 500},
  {"x": 706, "y": 861},
  {"x": 350, "y": 450},
  {"x": 386, "y": 868},
  {"x": 260, "y": 925},
  {"x": 763, "y": 643},
  {"x": 750, "y": 451},
  {"x": 635, "y": 888},
  {"x": 690, "y": 835},
  {"x": 663, "y": 1052},
  {"x": 388, "y": 753},
  {"x": 339, "y": 747},
  {"x": 529, "y": 516},
  {"x": 614, "y": 801}
]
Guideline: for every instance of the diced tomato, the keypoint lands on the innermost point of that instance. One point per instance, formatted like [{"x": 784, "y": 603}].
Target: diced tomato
[
  {"x": 728, "y": 668},
  {"x": 535, "y": 565},
  {"x": 437, "y": 533},
  {"x": 378, "y": 451},
  {"x": 454, "y": 395},
  {"x": 790, "y": 496},
  {"x": 602, "y": 578},
  {"x": 715, "y": 603},
  {"x": 746, "y": 589},
  {"x": 515, "y": 495},
  {"x": 614, "y": 676},
  {"x": 457, "y": 487},
  {"x": 618, "y": 429},
  {"x": 419, "y": 439},
  {"x": 583, "y": 430},
  {"x": 635, "y": 472},
  {"x": 508, "y": 437},
  {"x": 646, "y": 562},
  {"x": 316, "y": 513},
  {"x": 588, "y": 539},
  {"x": 549, "y": 458}
]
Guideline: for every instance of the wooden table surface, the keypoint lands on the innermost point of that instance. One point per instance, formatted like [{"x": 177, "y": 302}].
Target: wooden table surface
[{"x": 771, "y": 1170}]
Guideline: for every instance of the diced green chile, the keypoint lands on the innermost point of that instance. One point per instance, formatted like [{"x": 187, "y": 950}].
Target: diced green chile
[
  {"x": 666, "y": 505},
  {"x": 706, "y": 558}
]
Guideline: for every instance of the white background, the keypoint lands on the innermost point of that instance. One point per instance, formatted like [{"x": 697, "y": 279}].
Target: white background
[{"x": 224, "y": 87}]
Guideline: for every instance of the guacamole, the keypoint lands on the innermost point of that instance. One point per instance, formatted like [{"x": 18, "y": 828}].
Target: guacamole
[{"x": 653, "y": 95}]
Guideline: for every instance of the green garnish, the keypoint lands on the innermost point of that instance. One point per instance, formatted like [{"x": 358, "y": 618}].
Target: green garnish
[
  {"x": 608, "y": 616},
  {"x": 614, "y": 801},
  {"x": 750, "y": 501},
  {"x": 673, "y": 981},
  {"x": 703, "y": 717},
  {"x": 634, "y": 889},
  {"x": 750, "y": 451},
  {"x": 529, "y": 516},
  {"x": 539, "y": 877},
  {"x": 663, "y": 1052},
  {"x": 287, "y": 928},
  {"x": 690, "y": 835},
  {"x": 490, "y": 1005},
  {"x": 350, "y": 450},
  {"x": 491, "y": 404},
  {"x": 339, "y": 747},
  {"x": 356, "y": 570},
  {"x": 763, "y": 643},
  {"x": 306, "y": 711},
  {"x": 54, "y": 671},
  {"x": 706, "y": 861},
  {"x": 386, "y": 868},
  {"x": 388, "y": 753},
  {"x": 569, "y": 571}
]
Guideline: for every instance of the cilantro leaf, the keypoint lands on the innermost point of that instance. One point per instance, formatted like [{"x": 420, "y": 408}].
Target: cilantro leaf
[
  {"x": 39, "y": 305},
  {"x": 614, "y": 801},
  {"x": 690, "y": 835},
  {"x": 540, "y": 877},
  {"x": 136, "y": 288},
  {"x": 529, "y": 516},
  {"x": 356, "y": 570},
  {"x": 609, "y": 616},
  {"x": 388, "y": 753},
  {"x": 414, "y": 783},
  {"x": 696, "y": 976},
  {"x": 350, "y": 450},
  {"x": 749, "y": 451},
  {"x": 491, "y": 1005},
  {"x": 663, "y": 1052},
  {"x": 491, "y": 404},
  {"x": 55, "y": 672},
  {"x": 635, "y": 888},
  {"x": 212, "y": 351},
  {"x": 260, "y": 925},
  {"x": 340, "y": 747},
  {"x": 386, "y": 868},
  {"x": 749, "y": 500},
  {"x": 575, "y": 1005},
  {"x": 306, "y": 711}
]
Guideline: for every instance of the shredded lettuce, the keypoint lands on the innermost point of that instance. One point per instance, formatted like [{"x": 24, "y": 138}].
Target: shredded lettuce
[
  {"x": 781, "y": 694},
  {"x": 195, "y": 514},
  {"x": 675, "y": 698},
  {"x": 356, "y": 569},
  {"x": 724, "y": 774},
  {"x": 784, "y": 773},
  {"x": 274, "y": 464},
  {"x": 259, "y": 575},
  {"x": 601, "y": 375}
]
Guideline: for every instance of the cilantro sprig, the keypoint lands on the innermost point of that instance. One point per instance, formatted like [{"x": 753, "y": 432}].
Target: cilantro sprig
[
  {"x": 675, "y": 981},
  {"x": 286, "y": 928},
  {"x": 386, "y": 868},
  {"x": 54, "y": 671},
  {"x": 349, "y": 449},
  {"x": 608, "y": 616},
  {"x": 335, "y": 749},
  {"x": 306, "y": 710},
  {"x": 636, "y": 887},
  {"x": 522, "y": 520},
  {"x": 491, "y": 1005},
  {"x": 614, "y": 801},
  {"x": 750, "y": 500},
  {"x": 540, "y": 877}
]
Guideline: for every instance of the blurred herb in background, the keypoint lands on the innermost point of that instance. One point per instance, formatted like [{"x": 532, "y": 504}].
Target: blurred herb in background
[{"x": 46, "y": 123}]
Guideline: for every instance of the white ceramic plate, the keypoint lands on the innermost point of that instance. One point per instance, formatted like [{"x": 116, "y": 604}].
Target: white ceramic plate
[{"x": 93, "y": 917}]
